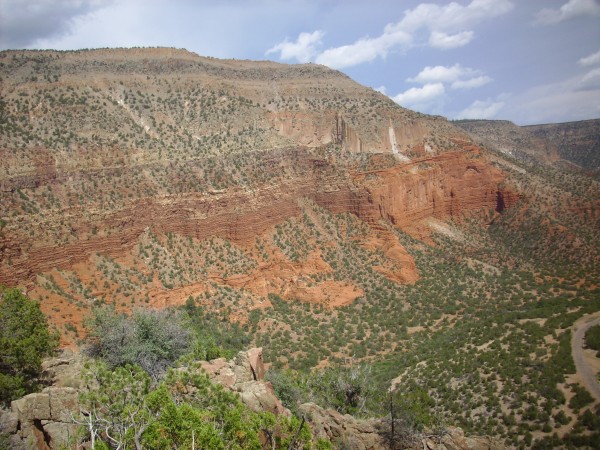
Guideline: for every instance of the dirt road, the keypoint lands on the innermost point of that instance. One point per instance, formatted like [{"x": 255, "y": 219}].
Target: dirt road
[{"x": 588, "y": 377}]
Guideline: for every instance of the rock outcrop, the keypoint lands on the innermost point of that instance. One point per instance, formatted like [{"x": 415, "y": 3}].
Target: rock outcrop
[
  {"x": 42, "y": 420},
  {"x": 245, "y": 375},
  {"x": 345, "y": 431},
  {"x": 441, "y": 186}
]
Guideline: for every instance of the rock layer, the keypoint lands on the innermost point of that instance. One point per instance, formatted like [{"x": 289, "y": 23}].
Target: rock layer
[{"x": 443, "y": 186}]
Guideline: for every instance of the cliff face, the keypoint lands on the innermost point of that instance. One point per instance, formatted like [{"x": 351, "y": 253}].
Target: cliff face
[
  {"x": 117, "y": 164},
  {"x": 442, "y": 186}
]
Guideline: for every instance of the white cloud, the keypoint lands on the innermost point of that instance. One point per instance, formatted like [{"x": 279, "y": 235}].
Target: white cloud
[
  {"x": 364, "y": 50},
  {"x": 303, "y": 50},
  {"x": 446, "y": 25},
  {"x": 570, "y": 10},
  {"x": 471, "y": 83},
  {"x": 458, "y": 76},
  {"x": 453, "y": 16},
  {"x": 439, "y": 39},
  {"x": 591, "y": 78},
  {"x": 382, "y": 89},
  {"x": 420, "y": 96},
  {"x": 590, "y": 60},
  {"x": 442, "y": 74},
  {"x": 481, "y": 110}
]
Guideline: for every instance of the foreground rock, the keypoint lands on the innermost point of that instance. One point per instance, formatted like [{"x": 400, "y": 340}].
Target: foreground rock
[
  {"x": 343, "y": 431},
  {"x": 44, "y": 420}
]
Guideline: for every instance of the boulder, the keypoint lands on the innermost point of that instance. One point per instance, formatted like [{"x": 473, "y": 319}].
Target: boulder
[
  {"x": 220, "y": 371},
  {"x": 60, "y": 434},
  {"x": 32, "y": 407},
  {"x": 260, "y": 396},
  {"x": 63, "y": 402}
]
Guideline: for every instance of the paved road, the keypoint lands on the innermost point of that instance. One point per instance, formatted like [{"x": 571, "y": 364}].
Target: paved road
[{"x": 586, "y": 372}]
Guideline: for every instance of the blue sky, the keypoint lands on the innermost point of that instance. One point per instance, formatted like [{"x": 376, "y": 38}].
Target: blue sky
[{"x": 529, "y": 61}]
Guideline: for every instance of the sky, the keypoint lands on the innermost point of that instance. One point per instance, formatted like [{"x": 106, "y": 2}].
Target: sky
[{"x": 528, "y": 61}]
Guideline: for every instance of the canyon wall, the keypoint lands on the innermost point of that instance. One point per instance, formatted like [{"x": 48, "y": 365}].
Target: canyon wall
[{"x": 442, "y": 186}]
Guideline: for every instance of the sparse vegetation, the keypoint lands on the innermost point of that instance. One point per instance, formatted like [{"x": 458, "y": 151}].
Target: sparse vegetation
[{"x": 189, "y": 184}]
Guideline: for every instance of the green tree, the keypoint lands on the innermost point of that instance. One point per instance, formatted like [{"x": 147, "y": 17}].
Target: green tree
[
  {"x": 185, "y": 410},
  {"x": 24, "y": 340},
  {"x": 114, "y": 408}
]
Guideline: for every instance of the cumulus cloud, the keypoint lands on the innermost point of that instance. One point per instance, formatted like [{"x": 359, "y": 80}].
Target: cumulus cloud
[
  {"x": 481, "y": 110},
  {"x": 365, "y": 49},
  {"x": 382, "y": 89},
  {"x": 303, "y": 49},
  {"x": 458, "y": 76},
  {"x": 25, "y": 22},
  {"x": 570, "y": 10},
  {"x": 435, "y": 80},
  {"x": 420, "y": 97},
  {"x": 441, "y": 74},
  {"x": 471, "y": 83},
  {"x": 453, "y": 16},
  {"x": 447, "y": 27},
  {"x": 439, "y": 39},
  {"x": 590, "y": 60}
]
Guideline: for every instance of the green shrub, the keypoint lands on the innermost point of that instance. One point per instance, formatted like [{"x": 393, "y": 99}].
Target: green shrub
[
  {"x": 184, "y": 410},
  {"x": 592, "y": 338},
  {"x": 24, "y": 340},
  {"x": 345, "y": 389},
  {"x": 287, "y": 387},
  {"x": 581, "y": 398},
  {"x": 150, "y": 339}
]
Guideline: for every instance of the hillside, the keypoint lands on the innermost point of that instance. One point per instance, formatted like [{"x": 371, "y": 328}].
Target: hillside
[
  {"x": 576, "y": 142},
  {"x": 309, "y": 215},
  {"x": 108, "y": 153},
  {"x": 573, "y": 145}
]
